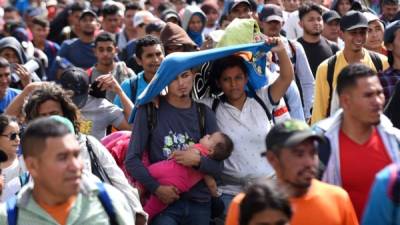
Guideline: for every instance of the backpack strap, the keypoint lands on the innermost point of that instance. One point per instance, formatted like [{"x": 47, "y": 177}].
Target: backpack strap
[
  {"x": 96, "y": 167},
  {"x": 201, "y": 113},
  {"x": 215, "y": 104},
  {"x": 329, "y": 78},
  {"x": 24, "y": 178},
  {"x": 269, "y": 116},
  {"x": 133, "y": 83},
  {"x": 107, "y": 204},
  {"x": 376, "y": 60},
  {"x": 12, "y": 211}
]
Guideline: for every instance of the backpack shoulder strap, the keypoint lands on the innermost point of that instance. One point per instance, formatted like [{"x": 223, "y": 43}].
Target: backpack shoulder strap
[
  {"x": 134, "y": 83},
  {"x": 151, "y": 116},
  {"x": 376, "y": 60},
  {"x": 12, "y": 211},
  {"x": 106, "y": 203},
  {"x": 24, "y": 178},
  {"x": 293, "y": 49},
  {"x": 329, "y": 78},
  {"x": 258, "y": 99},
  {"x": 201, "y": 112},
  {"x": 215, "y": 104}
]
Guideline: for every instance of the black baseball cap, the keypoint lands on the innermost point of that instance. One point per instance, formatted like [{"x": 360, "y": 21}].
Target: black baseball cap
[
  {"x": 87, "y": 12},
  {"x": 235, "y": 3},
  {"x": 353, "y": 20},
  {"x": 390, "y": 31},
  {"x": 288, "y": 134},
  {"x": 271, "y": 12},
  {"x": 330, "y": 16},
  {"x": 76, "y": 80}
]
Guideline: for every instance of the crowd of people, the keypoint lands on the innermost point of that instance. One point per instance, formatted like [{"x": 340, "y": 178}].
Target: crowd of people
[{"x": 200, "y": 112}]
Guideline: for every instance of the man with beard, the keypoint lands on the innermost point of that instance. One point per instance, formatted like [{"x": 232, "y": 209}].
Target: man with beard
[
  {"x": 105, "y": 50},
  {"x": 362, "y": 141},
  {"x": 271, "y": 22},
  {"x": 317, "y": 48},
  {"x": 292, "y": 152},
  {"x": 354, "y": 28},
  {"x": 62, "y": 194},
  {"x": 80, "y": 51}
]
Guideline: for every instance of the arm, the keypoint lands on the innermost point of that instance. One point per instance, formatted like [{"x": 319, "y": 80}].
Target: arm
[
  {"x": 15, "y": 107},
  {"x": 126, "y": 88},
  {"x": 281, "y": 84},
  {"x": 306, "y": 78},
  {"x": 109, "y": 83},
  {"x": 212, "y": 185},
  {"x": 133, "y": 161}
]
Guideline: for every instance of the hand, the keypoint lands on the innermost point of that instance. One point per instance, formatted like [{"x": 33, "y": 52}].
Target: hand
[
  {"x": 107, "y": 82},
  {"x": 190, "y": 157},
  {"x": 167, "y": 194},
  {"x": 23, "y": 74},
  {"x": 279, "y": 47},
  {"x": 212, "y": 185},
  {"x": 140, "y": 219},
  {"x": 33, "y": 86}
]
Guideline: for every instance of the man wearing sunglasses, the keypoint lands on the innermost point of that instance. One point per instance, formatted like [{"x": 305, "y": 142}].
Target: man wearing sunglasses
[{"x": 354, "y": 27}]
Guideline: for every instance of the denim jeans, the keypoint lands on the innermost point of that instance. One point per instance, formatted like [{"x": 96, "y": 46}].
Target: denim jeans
[
  {"x": 184, "y": 212},
  {"x": 227, "y": 198}
]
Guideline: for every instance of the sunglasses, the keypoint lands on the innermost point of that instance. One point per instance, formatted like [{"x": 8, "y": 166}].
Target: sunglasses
[{"x": 11, "y": 136}]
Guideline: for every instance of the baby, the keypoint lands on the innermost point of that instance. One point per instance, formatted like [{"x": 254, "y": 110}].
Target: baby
[{"x": 217, "y": 146}]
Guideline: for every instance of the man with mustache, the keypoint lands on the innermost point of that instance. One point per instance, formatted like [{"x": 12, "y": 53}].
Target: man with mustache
[
  {"x": 354, "y": 28},
  {"x": 362, "y": 141},
  {"x": 292, "y": 152},
  {"x": 317, "y": 48},
  {"x": 61, "y": 193}
]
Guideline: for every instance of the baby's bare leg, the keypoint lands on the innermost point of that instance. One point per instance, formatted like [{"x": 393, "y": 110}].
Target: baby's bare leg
[{"x": 211, "y": 184}]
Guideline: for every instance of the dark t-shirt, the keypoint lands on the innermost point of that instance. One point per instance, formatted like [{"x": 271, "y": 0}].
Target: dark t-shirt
[
  {"x": 317, "y": 52},
  {"x": 80, "y": 54},
  {"x": 175, "y": 129}
]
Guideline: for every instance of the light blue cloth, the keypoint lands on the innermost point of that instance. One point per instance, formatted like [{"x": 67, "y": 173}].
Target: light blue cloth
[
  {"x": 176, "y": 63},
  {"x": 381, "y": 208}
]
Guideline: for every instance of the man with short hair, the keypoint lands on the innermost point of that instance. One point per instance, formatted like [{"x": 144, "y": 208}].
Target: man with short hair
[
  {"x": 129, "y": 32},
  {"x": 292, "y": 152},
  {"x": 271, "y": 22},
  {"x": 80, "y": 51},
  {"x": 7, "y": 94},
  {"x": 331, "y": 29},
  {"x": 105, "y": 50},
  {"x": 354, "y": 26},
  {"x": 61, "y": 193},
  {"x": 389, "y": 8},
  {"x": 149, "y": 55},
  {"x": 40, "y": 30},
  {"x": 11, "y": 14},
  {"x": 317, "y": 48},
  {"x": 111, "y": 18},
  {"x": 362, "y": 141}
]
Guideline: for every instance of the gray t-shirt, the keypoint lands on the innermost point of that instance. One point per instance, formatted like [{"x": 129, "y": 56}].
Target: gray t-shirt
[
  {"x": 175, "y": 129},
  {"x": 121, "y": 72},
  {"x": 97, "y": 115}
]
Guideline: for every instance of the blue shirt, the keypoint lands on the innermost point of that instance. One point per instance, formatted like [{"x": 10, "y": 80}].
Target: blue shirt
[
  {"x": 11, "y": 93},
  {"x": 381, "y": 207},
  {"x": 80, "y": 54},
  {"x": 126, "y": 87}
]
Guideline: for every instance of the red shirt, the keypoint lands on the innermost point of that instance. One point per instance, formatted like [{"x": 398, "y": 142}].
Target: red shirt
[{"x": 359, "y": 164}]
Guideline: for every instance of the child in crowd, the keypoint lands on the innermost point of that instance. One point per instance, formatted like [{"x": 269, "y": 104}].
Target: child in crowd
[{"x": 217, "y": 146}]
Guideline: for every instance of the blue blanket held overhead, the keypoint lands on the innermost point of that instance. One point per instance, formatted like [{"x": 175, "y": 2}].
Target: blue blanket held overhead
[{"x": 176, "y": 63}]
